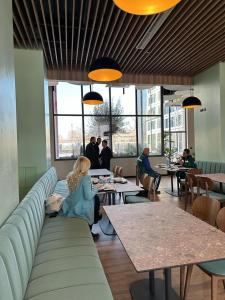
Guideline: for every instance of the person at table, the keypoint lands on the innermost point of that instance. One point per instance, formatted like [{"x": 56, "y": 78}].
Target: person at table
[
  {"x": 82, "y": 201},
  {"x": 187, "y": 161},
  {"x": 105, "y": 156},
  {"x": 144, "y": 167},
  {"x": 92, "y": 154}
]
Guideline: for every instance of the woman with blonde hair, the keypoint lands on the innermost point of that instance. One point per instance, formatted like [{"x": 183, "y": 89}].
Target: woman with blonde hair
[{"x": 82, "y": 201}]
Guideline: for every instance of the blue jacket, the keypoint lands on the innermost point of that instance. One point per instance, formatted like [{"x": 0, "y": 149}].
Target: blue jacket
[
  {"x": 80, "y": 203},
  {"x": 144, "y": 166}
]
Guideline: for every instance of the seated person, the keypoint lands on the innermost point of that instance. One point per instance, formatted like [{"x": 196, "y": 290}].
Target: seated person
[
  {"x": 82, "y": 201},
  {"x": 144, "y": 167},
  {"x": 187, "y": 161}
]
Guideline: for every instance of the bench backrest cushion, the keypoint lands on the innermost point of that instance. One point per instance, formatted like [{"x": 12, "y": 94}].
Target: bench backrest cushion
[
  {"x": 19, "y": 237},
  {"x": 211, "y": 167}
]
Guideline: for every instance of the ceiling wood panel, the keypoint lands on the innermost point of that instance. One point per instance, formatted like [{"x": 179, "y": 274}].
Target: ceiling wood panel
[{"x": 72, "y": 33}]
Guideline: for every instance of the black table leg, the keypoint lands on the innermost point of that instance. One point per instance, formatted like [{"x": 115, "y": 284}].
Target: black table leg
[
  {"x": 152, "y": 282},
  {"x": 167, "y": 274},
  {"x": 172, "y": 182}
]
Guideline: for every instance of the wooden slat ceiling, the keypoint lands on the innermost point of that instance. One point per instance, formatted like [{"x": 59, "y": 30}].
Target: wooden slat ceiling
[{"x": 72, "y": 33}]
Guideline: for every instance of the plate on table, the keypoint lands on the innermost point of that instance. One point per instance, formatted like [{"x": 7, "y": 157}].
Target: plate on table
[{"x": 119, "y": 180}]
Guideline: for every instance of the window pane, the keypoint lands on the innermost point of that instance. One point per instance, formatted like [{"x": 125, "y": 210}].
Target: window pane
[
  {"x": 68, "y": 98},
  {"x": 123, "y": 100},
  {"x": 124, "y": 136},
  {"x": 149, "y": 134},
  {"x": 177, "y": 115},
  {"x": 68, "y": 137},
  {"x": 96, "y": 126},
  {"x": 98, "y": 109},
  {"x": 178, "y": 141},
  {"x": 149, "y": 101}
]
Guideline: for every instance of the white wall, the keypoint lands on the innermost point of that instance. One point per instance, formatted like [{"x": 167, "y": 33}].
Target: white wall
[
  {"x": 8, "y": 136},
  {"x": 210, "y": 124},
  {"x": 32, "y": 117}
]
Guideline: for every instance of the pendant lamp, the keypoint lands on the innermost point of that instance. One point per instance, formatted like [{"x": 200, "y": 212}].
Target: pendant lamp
[
  {"x": 145, "y": 7},
  {"x": 105, "y": 69},
  {"x": 191, "y": 102},
  {"x": 92, "y": 98}
]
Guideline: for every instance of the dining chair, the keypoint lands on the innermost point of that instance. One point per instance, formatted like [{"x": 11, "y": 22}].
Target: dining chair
[
  {"x": 207, "y": 184},
  {"x": 119, "y": 172},
  {"x": 149, "y": 186},
  {"x": 195, "y": 171},
  {"x": 206, "y": 209},
  {"x": 192, "y": 189},
  {"x": 114, "y": 169},
  {"x": 182, "y": 182},
  {"x": 215, "y": 269}
]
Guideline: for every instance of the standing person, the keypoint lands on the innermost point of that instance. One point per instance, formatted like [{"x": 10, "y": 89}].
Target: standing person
[
  {"x": 105, "y": 155},
  {"x": 82, "y": 201},
  {"x": 92, "y": 153},
  {"x": 144, "y": 167},
  {"x": 98, "y": 143}
]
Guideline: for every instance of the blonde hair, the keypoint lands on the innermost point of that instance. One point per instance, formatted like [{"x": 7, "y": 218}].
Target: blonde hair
[{"x": 80, "y": 168}]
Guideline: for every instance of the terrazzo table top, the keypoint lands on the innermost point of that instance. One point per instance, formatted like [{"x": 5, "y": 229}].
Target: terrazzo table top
[
  {"x": 99, "y": 172},
  {"x": 127, "y": 187},
  {"x": 218, "y": 177},
  {"x": 157, "y": 235}
]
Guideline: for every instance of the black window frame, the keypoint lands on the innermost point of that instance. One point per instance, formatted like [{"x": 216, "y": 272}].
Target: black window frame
[{"x": 83, "y": 115}]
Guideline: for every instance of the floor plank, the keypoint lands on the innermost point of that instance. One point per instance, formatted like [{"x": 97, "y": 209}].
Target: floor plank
[{"x": 121, "y": 273}]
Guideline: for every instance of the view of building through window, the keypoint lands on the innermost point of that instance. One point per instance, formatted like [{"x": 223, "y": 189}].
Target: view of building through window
[{"x": 129, "y": 120}]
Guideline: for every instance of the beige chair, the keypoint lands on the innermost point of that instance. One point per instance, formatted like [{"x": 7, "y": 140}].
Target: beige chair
[{"x": 215, "y": 269}]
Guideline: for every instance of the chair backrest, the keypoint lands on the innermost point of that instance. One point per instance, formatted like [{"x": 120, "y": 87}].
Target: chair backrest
[
  {"x": 149, "y": 185},
  {"x": 206, "y": 209},
  {"x": 114, "y": 169},
  {"x": 195, "y": 171},
  {"x": 220, "y": 219},
  {"x": 192, "y": 180},
  {"x": 205, "y": 183},
  {"x": 119, "y": 172}
]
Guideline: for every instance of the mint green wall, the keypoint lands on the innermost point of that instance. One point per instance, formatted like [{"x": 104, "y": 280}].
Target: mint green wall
[
  {"x": 32, "y": 117},
  {"x": 209, "y": 125},
  {"x": 8, "y": 139}
]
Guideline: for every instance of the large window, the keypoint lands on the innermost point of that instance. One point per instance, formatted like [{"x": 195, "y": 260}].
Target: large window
[
  {"x": 149, "y": 113},
  {"x": 129, "y": 119},
  {"x": 174, "y": 129}
]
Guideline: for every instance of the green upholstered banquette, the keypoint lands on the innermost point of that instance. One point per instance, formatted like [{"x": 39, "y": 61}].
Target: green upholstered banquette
[{"x": 46, "y": 259}]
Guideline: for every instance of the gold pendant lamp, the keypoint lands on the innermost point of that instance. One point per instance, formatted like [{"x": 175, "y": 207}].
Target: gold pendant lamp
[
  {"x": 145, "y": 7},
  {"x": 105, "y": 69}
]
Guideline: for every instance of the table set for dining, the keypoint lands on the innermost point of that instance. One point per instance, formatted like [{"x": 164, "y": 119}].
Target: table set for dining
[{"x": 158, "y": 236}]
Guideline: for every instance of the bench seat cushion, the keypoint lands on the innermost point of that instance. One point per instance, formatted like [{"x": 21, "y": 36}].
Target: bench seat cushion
[
  {"x": 66, "y": 264},
  {"x": 135, "y": 199},
  {"x": 79, "y": 292}
]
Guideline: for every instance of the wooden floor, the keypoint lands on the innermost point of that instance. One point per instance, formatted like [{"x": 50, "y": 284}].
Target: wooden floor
[{"x": 121, "y": 273}]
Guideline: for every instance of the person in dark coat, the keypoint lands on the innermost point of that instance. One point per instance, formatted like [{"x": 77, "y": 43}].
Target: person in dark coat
[
  {"x": 92, "y": 153},
  {"x": 105, "y": 155},
  {"x": 98, "y": 143}
]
